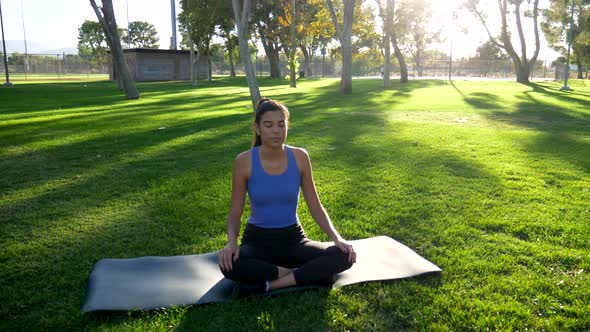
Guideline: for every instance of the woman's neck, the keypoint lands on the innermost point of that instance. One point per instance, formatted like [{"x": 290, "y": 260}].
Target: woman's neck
[{"x": 271, "y": 152}]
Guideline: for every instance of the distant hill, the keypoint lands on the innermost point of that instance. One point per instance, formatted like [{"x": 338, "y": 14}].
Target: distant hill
[
  {"x": 35, "y": 47},
  {"x": 66, "y": 50}
]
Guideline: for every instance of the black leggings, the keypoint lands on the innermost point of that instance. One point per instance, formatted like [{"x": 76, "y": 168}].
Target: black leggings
[{"x": 263, "y": 249}]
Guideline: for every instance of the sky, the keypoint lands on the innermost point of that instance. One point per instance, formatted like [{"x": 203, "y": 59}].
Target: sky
[{"x": 51, "y": 25}]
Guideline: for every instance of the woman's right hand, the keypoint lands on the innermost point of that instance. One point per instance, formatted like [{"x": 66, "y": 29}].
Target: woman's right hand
[{"x": 228, "y": 255}]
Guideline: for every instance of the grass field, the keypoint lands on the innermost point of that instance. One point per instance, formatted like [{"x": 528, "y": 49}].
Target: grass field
[
  {"x": 488, "y": 180},
  {"x": 21, "y": 78}
]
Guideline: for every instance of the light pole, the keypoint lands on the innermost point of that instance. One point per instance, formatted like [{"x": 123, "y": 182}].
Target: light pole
[
  {"x": 565, "y": 87},
  {"x": 7, "y": 83}
]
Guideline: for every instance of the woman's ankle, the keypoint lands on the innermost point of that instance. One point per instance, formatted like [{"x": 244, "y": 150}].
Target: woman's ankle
[{"x": 282, "y": 282}]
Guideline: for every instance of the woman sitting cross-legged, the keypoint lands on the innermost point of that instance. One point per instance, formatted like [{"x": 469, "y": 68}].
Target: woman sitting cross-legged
[{"x": 275, "y": 252}]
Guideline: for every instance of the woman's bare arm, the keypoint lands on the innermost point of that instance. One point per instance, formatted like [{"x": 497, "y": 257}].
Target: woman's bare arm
[{"x": 240, "y": 174}]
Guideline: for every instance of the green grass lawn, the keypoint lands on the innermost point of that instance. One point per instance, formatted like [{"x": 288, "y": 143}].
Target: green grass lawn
[
  {"x": 488, "y": 180},
  {"x": 21, "y": 78}
]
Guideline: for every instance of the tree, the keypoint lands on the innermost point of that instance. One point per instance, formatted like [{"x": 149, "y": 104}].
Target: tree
[
  {"x": 142, "y": 35},
  {"x": 291, "y": 16},
  {"x": 364, "y": 34},
  {"x": 386, "y": 14},
  {"x": 106, "y": 17},
  {"x": 241, "y": 16},
  {"x": 490, "y": 51},
  {"x": 274, "y": 36},
  {"x": 398, "y": 26},
  {"x": 203, "y": 16},
  {"x": 556, "y": 27},
  {"x": 345, "y": 36},
  {"x": 315, "y": 29},
  {"x": 522, "y": 64},
  {"x": 489, "y": 60},
  {"x": 226, "y": 26},
  {"x": 419, "y": 33},
  {"x": 92, "y": 43},
  {"x": 392, "y": 26}
]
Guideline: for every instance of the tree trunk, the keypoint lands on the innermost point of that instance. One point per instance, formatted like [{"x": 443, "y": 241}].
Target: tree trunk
[
  {"x": 189, "y": 35},
  {"x": 403, "y": 67},
  {"x": 292, "y": 48},
  {"x": 292, "y": 73},
  {"x": 306, "y": 61},
  {"x": 345, "y": 36},
  {"x": 232, "y": 67},
  {"x": 580, "y": 69},
  {"x": 241, "y": 16},
  {"x": 419, "y": 67},
  {"x": 274, "y": 62},
  {"x": 346, "y": 81},
  {"x": 386, "y": 81},
  {"x": 523, "y": 72},
  {"x": 109, "y": 25},
  {"x": 522, "y": 65},
  {"x": 387, "y": 43},
  {"x": 116, "y": 75},
  {"x": 210, "y": 73},
  {"x": 272, "y": 53}
]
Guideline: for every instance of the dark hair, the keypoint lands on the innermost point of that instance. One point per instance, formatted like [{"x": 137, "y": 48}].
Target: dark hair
[{"x": 267, "y": 105}]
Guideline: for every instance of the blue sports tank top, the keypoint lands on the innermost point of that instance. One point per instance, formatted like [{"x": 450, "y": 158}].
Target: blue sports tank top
[{"x": 274, "y": 198}]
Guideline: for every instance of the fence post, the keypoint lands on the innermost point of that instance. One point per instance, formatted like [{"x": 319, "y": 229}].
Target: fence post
[
  {"x": 65, "y": 63},
  {"x": 57, "y": 66}
]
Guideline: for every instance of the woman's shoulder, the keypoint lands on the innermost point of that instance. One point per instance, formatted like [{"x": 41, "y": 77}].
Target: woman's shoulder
[
  {"x": 243, "y": 159},
  {"x": 301, "y": 157},
  {"x": 299, "y": 152}
]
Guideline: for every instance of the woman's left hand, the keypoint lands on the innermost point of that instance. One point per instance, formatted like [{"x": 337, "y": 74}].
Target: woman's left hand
[{"x": 346, "y": 248}]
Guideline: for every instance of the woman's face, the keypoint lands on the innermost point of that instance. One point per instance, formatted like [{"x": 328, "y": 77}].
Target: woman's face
[{"x": 272, "y": 128}]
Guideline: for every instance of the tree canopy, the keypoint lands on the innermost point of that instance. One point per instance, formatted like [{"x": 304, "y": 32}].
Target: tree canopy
[
  {"x": 92, "y": 43},
  {"x": 522, "y": 63},
  {"x": 142, "y": 34},
  {"x": 556, "y": 27}
]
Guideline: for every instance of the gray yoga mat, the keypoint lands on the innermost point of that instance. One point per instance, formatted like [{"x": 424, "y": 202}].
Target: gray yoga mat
[{"x": 163, "y": 282}]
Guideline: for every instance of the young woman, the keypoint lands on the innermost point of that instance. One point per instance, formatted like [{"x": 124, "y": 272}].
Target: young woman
[{"x": 275, "y": 251}]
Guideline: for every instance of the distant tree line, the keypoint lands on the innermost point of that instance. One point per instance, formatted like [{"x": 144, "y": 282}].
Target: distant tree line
[
  {"x": 92, "y": 42},
  {"x": 386, "y": 31}
]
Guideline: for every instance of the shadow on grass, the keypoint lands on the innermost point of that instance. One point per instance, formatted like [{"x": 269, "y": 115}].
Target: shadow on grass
[
  {"x": 369, "y": 159},
  {"x": 479, "y": 100},
  {"x": 167, "y": 192},
  {"x": 149, "y": 192},
  {"x": 135, "y": 193},
  {"x": 285, "y": 312},
  {"x": 562, "y": 128}
]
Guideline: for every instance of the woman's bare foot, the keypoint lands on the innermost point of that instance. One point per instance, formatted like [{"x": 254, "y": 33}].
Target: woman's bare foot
[
  {"x": 283, "y": 271},
  {"x": 282, "y": 282}
]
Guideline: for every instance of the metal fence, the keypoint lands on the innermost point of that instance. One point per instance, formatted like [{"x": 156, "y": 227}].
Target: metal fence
[
  {"x": 484, "y": 69},
  {"x": 64, "y": 66},
  {"x": 52, "y": 66}
]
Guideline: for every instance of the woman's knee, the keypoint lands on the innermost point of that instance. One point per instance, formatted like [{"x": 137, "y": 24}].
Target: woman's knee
[
  {"x": 341, "y": 257},
  {"x": 229, "y": 274}
]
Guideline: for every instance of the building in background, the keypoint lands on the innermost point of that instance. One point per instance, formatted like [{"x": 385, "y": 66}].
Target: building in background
[{"x": 148, "y": 64}]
